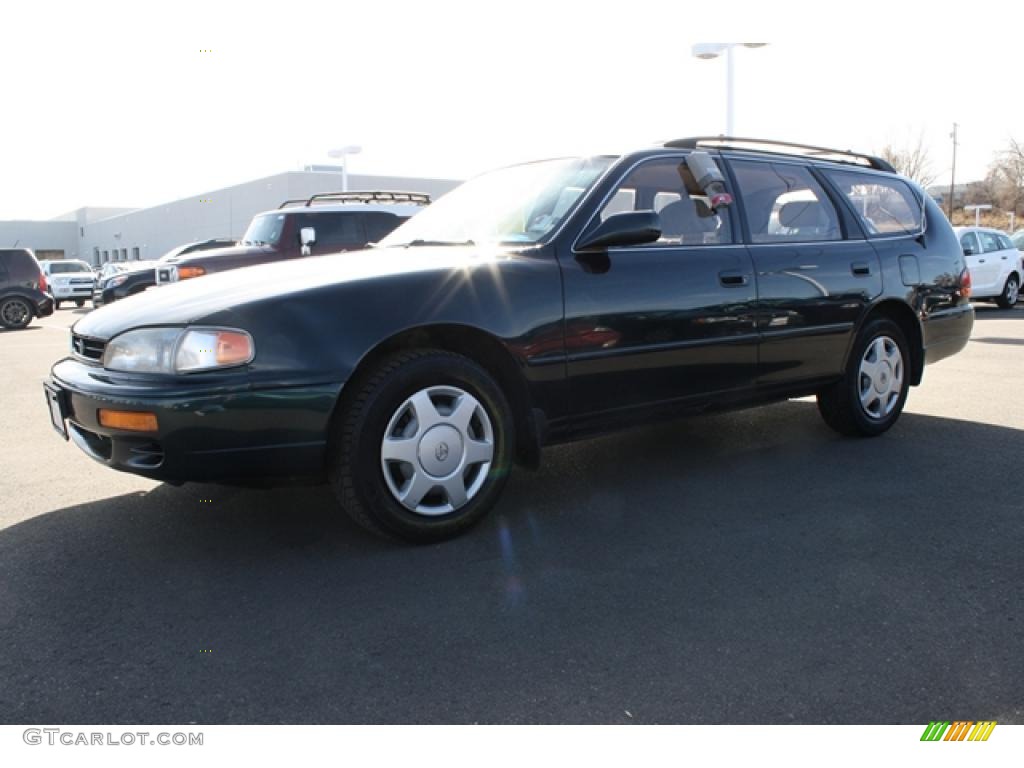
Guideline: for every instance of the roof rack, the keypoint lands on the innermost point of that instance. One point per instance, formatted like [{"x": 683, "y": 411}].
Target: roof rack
[
  {"x": 417, "y": 198},
  {"x": 783, "y": 147}
]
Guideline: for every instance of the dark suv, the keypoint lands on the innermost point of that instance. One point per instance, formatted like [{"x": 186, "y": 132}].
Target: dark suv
[
  {"x": 532, "y": 305},
  {"x": 325, "y": 223},
  {"x": 23, "y": 289}
]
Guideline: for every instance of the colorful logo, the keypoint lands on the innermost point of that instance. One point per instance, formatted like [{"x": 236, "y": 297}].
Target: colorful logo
[{"x": 960, "y": 730}]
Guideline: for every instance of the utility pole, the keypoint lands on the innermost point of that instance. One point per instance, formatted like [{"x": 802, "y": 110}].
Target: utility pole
[{"x": 952, "y": 175}]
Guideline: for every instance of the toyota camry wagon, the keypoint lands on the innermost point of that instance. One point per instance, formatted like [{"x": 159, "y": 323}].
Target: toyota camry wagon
[{"x": 533, "y": 305}]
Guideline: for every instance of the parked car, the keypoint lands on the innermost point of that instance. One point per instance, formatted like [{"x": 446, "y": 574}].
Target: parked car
[
  {"x": 199, "y": 245},
  {"x": 135, "y": 277},
  {"x": 325, "y": 223},
  {"x": 532, "y": 305},
  {"x": 69, "y": 280},
  {"x": 1017, "y": 238},
  {"x": 109, "y": 269},
  {"x": 23, "y": 288},
  {"x": 994, "y": 263}
]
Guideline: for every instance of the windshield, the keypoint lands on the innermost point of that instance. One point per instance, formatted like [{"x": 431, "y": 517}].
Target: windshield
[
  {"x": 58, "y": 268},
  {"x": 264, "y": 230},
  {"x": 521, "y": 204}
]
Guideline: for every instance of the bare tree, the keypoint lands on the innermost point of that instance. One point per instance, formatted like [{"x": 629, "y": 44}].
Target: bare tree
[
  {"x": 1007, "y": 172},
  {"x": 911, "y": 160}
]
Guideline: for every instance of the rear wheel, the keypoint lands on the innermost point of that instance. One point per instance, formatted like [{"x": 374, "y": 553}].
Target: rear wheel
[
  {"x": 423, "y": 447},
  {"x": 15, "y": 313},
  {"x": 56, "y": 304},
  {"x": 1011, "y": 292},
  {"x": 870, "y": 397}
]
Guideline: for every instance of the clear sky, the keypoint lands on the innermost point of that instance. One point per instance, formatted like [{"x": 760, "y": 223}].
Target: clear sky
[{"x": 134, "y": 104}]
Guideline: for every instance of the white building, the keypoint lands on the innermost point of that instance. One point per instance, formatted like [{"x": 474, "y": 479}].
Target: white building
[{"x": 98, "y": 235}]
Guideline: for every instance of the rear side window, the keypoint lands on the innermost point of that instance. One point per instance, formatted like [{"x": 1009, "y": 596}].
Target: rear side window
[
  {"x": 19, "y": 265},
  {"x": 785, "y": 204},
  {"x": 886, "y": 206},
  {"x": 333, "y": 228},
  {"x": 989, "y": 242},
  {"x": 1004, "y": 241}
]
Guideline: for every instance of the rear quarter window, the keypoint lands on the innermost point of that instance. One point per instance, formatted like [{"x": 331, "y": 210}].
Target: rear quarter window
[{"x": 885, "y": 206}]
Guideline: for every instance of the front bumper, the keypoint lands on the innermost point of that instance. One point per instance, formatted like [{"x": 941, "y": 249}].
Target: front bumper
[
  {"x": 223, "y": 434},
  {"x": 73, "y": 292}
]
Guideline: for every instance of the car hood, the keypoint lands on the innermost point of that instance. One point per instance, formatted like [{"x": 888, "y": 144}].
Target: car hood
[
  {"x": 190, "y": 301},
  {"x": 215, "y": 253}
]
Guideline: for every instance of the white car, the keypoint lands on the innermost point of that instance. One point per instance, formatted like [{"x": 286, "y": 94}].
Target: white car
[
  {"x": 994, "y": 263},
  {"x": 69, "y": 280}
]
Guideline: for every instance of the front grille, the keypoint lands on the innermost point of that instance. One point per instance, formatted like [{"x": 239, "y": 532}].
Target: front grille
[
  {"x": 81, "y": 281},
  {"x": 86, "y": 348}
]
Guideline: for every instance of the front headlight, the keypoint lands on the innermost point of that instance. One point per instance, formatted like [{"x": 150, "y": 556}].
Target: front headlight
[
  {"x": 178, "y": 350},
  {"x": 115, "y": 281}
]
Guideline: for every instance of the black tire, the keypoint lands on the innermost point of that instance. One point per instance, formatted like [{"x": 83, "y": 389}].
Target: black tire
[
  {"x": 15, "y": 313},
  {"x": 355, "y": 464},
  {"x": 79, "y": 302},
  {"x": 56, "y": 304},
  {"x": 1011, "y": 292},
  {"x": 840, "y": 405}
]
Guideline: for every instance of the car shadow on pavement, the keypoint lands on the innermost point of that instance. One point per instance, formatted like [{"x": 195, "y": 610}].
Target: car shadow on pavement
[
  {"x": 743, "y": 568},
  {"x": 19, "y": 330}
]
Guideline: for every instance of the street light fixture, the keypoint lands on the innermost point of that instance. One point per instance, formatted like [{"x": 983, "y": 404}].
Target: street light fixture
[
  {"x": 713, "y": 51},
  {"x": 343, "y": 153}
]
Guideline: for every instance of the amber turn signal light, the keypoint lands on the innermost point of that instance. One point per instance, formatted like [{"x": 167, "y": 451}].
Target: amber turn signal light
[
  {"x": 233, "y": 348},
  {"x": 184, "y": 273},
  {"x": 134, "y": 421}
]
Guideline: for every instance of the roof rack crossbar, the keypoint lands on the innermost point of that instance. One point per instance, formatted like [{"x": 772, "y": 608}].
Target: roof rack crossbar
[
  {"x": 762, "y": 145},
  {"x": 418, "y": 198}
]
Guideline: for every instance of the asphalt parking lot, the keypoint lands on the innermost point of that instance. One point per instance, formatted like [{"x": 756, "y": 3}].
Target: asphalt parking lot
[{"x": 742, "y": 568}]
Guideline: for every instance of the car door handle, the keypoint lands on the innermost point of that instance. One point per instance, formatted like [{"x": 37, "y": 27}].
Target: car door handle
[
  {"x": 981, "y": 261},
  {"x": 732, "y": 278},
  {"x": 860, "y": 268}
]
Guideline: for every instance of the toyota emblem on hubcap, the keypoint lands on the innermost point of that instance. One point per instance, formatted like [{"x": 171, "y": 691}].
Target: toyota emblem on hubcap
[{"x": 441, "y": 452}]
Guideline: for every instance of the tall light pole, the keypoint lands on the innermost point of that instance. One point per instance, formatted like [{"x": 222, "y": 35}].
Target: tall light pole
[
  {"x": 713, "y": 51},
  {"x": 343, "y": 153}
]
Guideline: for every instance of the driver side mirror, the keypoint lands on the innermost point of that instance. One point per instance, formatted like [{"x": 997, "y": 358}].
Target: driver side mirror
[
  {"x": 307, "y": 237},
  {"x": 629, "y": 228},
  {"x": 968, "y": 251}
]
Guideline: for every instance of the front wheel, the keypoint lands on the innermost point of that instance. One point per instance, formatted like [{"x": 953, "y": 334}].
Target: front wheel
[
  {"x": 56, "y": 304},
  {"x": 1011, "y": 291},
  {"x": 870, "y": 397},
  {"x": 15, "y": 313},
  {"x": 79, "y": 302},
  {"x": 422, "y": 449}
]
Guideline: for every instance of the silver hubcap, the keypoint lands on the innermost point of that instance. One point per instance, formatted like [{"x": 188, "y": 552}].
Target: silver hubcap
[
  {"x": 14, "y": 312},
  {"x": 437, "y": 450},
  {"x": 1012, "y": 291},
  {"x": 881, "y": 377}
]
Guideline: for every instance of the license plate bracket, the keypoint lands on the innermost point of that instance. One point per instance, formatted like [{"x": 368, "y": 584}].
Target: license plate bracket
[{"x": 55, "y": 401}]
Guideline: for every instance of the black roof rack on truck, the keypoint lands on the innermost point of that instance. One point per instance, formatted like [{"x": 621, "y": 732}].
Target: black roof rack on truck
[
  {"x": 782, "y": 148},
  {"x": 418, "y": 198}
]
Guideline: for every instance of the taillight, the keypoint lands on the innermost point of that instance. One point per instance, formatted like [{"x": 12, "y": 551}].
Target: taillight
[
  {"x": 965, "y": 283},
  {"x": 42, "y": 282}
]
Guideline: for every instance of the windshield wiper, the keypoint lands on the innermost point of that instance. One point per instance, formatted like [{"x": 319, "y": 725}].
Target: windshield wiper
[{"x": 416, "y": 243}]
